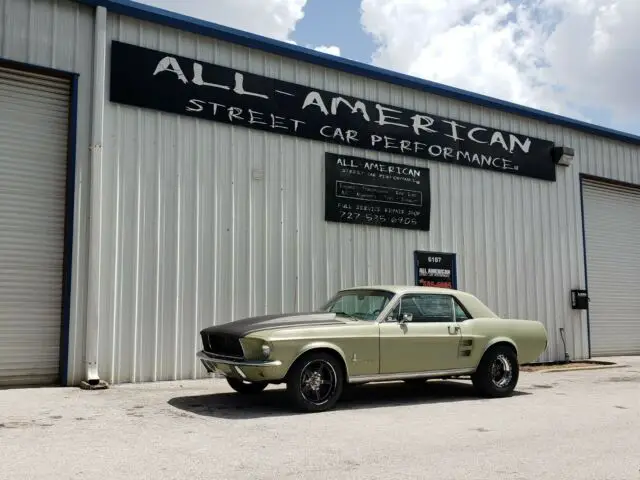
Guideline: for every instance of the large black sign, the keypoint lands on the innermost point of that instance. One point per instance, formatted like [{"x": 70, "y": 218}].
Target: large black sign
[
  {"x": 152, "y": 79},
  {"x": 435, "y": 269},
  {"x": 369, "y": 192}
]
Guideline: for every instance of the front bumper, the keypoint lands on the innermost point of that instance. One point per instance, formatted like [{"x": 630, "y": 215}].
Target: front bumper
[
  {"x": 234, "y": 367},
  {"x": 213, "y": 359}
]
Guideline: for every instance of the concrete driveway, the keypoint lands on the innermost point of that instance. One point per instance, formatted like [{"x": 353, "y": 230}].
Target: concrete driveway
[{"x": 570, "y": 425}]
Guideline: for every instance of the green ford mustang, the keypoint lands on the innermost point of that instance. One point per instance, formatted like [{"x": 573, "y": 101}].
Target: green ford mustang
[{"x": 373, "y": 334}]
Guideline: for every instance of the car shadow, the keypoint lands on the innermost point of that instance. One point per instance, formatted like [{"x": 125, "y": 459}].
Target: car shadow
[{"x": 273, "y": 401}]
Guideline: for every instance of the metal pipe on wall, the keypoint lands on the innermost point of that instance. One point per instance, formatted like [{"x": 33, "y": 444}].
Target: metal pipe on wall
[{"x": 92, "y": 378}]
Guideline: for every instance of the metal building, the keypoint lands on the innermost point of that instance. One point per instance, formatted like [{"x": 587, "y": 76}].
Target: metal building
[{"x": 159, "y": 174}]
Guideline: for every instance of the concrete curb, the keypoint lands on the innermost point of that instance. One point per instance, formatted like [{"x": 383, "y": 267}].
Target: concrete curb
[{"x": 577, "y": 369}]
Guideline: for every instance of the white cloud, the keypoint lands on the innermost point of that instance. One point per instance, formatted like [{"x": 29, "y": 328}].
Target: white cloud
[
  {"x": 564, "y": 56},
  {"x": 275, "y": 19},
  {"x": 331, "y": 50},
  {"x": 271, "y": 18}
]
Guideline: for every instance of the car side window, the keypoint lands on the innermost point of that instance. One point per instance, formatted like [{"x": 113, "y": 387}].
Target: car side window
[
  {"x": 395, "y": 313},
  {"x": 461, "y": 315},
  {"x": 426, "y": 308}
]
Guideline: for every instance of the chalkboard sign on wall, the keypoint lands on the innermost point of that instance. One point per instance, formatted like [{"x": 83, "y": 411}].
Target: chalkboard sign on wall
[
  {"x": 369, "y": 192},
  {"x": 435, "y": 269}
]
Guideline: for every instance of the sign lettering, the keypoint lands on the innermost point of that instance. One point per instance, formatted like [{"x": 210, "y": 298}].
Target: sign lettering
[
  {"x": 435, "y": 269},
  {"x": 369, "y": 192},
  {"x": 152, "y": 79}
]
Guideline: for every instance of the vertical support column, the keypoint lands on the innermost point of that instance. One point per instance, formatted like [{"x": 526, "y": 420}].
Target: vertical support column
[{"x": 92, "y": 378}]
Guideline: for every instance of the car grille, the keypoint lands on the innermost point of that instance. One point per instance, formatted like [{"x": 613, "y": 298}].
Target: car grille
[{"x": 221, "y": 344}]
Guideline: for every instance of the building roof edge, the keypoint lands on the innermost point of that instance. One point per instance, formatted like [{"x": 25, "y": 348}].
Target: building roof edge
[{"x": 182, "y": 22}]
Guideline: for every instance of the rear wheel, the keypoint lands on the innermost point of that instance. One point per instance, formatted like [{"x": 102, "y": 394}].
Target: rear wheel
[
  {"x": 498, "y": 372},
  {"x": 241, "y": 386},
  {"x": 315, "y": 382}
]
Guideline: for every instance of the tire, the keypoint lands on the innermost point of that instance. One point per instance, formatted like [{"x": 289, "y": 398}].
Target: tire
[
  {"x": 498, "y": 373},
  {"x": 248, "y": 388},
  {"x": 305, "y": 392}
]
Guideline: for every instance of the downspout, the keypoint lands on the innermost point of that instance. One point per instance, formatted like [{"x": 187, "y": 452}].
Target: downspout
[{"x": 92, "y": 379}]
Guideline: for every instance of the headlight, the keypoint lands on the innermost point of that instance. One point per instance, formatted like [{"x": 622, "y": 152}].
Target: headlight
[{"x": 266, "y": 351}]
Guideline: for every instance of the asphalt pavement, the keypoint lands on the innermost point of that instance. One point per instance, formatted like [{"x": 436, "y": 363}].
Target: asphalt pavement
[{"x": 563, "y": 425}]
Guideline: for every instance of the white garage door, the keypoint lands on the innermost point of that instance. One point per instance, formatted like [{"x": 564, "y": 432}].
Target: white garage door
[
  {"x": 612, "y": 234},
  {"x": 34, "y": 112}
]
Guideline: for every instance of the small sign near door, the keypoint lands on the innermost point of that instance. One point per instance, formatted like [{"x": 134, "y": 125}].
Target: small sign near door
[
  {"x": 435, "y": 269},
  {"x": 579, "y": 300}
]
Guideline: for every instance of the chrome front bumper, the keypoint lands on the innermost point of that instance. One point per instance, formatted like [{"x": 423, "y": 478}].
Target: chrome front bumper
[{"x": 210, "y": 359}]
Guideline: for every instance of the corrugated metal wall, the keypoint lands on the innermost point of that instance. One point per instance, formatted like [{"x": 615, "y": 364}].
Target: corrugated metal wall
[
  {"x": 191, "y": 237},
  {"x": 196, "y": 239},
  {"x": 59, "y": 34}
]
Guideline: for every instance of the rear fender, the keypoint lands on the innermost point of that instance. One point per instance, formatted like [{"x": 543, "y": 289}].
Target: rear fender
[{"x": 496, "y": 340}]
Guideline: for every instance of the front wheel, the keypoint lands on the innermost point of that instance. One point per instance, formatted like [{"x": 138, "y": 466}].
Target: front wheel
[
  {"x": 315, "y": 382},
  {"x": 241, "y": 386},
  {"x": 497, "y": 374}
]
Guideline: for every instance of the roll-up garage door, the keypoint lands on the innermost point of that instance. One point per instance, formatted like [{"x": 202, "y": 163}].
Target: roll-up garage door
[
  {"x": 612, "y": 234},
  {"x": 34, "y": 116}
]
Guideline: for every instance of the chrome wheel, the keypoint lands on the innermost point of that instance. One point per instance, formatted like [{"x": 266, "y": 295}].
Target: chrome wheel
[
  {"x": 501, "y": 371},
  {"x": 318, "y": 381},
  {"x": 498, "y": 372}
]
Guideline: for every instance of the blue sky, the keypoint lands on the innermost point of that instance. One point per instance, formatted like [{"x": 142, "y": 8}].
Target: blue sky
[{"x": 321, "y": 25}]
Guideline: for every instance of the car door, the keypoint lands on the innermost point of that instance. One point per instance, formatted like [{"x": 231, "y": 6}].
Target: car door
[
  {"x": 471, "y": 346},
  {"x": 420, "y": 335}
]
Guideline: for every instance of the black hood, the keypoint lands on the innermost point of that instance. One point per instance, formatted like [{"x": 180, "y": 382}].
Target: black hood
[{"x": 246, "y": 326}]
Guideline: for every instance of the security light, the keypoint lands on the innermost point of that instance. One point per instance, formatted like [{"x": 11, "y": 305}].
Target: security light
[{"x": 563, "y": 155}]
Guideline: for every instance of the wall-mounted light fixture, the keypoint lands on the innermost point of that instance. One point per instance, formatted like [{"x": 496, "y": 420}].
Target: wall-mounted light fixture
[{"x": 563, "y": 155}]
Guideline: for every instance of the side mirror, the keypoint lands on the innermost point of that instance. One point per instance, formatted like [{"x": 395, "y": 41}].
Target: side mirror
[{"x": 406, "y": 317}]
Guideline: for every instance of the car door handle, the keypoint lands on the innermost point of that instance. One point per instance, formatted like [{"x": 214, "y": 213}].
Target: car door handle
[{"x": 455, "y": 329}]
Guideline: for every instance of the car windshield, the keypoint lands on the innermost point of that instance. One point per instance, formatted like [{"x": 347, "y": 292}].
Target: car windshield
[{"x": 359, "y": 304}]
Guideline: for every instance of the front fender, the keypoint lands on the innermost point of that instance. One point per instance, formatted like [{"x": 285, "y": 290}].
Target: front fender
[{"x": 321, "y": 345}]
